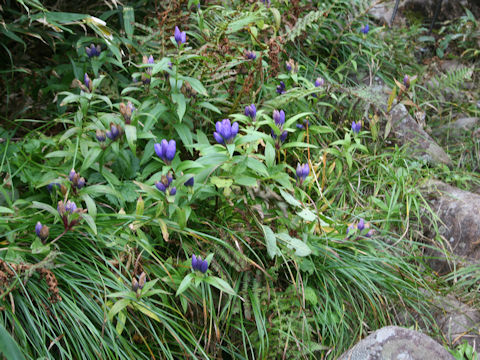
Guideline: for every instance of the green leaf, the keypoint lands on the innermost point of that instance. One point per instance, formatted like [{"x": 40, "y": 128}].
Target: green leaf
[
  {"x": 185, "y": 284},
  {"x": 180, "y": 100},
  {"x": 48, "y": 208},
  {"x": 307, "y": 215},
  {"x": 301, "y": 248},
  {"x": 270, "y": 241},
  {"x": 8, "y": 346},
  {"x": 196, "y": 85},
  {"x": 220, "y": 284},
  {"x": 221, "y": 183},
  {"x": 38, "y": 248},
  {"x": 118, "y": 306},
  {"x": 146, "y": 310},
  {"x": 91, "y": 206},
  {"x": 121, "y": 319},
  {"x": 90, "y": 158},
  {"x": 245, "y": 180},
  {"x": 311, "y": 296},
  {"x": 90, "y": 222},
  {"x": 131, "y": 134},
  {"x": 290, "y": 199},
  {"x": 128, "y": 21},
  {"x": 5, "y": 210},
  {"x": 269, "y": 155}
]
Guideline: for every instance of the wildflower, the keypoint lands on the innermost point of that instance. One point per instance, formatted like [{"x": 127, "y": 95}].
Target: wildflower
[
  {"x": 93, "y": 50},
  {"x": 70, "y": 207},
  {"x": 279, "y": 117},
  {"x": 165, "y": 150},
  {"x": 356, "y": 127},
  {"x": 370, "y": 233},
  {"x": 199, "y": 265},
  {"x": 61, "y": 208},
  {"x": 250, "y": 55},
  {"x": 160, "y": 186},
  {"x": 134, "y": 284},
  {"x": 142, "y": 280},
  {"x": 319, "y": 82},
  {"x": 42, "y": 231},
  {"x": 225, "y": 131},
  {"x": 281, "y": 88},
  {"x": 51, "y": 185},
  {"x": 164, "y": 183},
  {"x": 180, "y": 36},
  {"x": 77, "y": 181},
  {"x": 114, "y": 132},
  {"x": 190, "y": 182},
  {"x": 290, "y": 65},
  {"x": 302, "y": 172},
  {"x": 87, "y": 82},
  {"x": 283, "y": 135},
  {"x": 173, "y": 191},
  {"x": 251, "y": 111},
  {"x": 100, "y": 135},
  {"x": 304, "y": 125},
  {"x": 361, "y": 225},
  {"x": 365, "y": 28},
  {"x": 147, "y": 75},
  {"x": 126, "y": 111},
  {"x": 406, "y": 81}
]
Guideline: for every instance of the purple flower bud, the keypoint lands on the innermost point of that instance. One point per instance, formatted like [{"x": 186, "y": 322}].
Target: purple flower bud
[
  {"x": 38, "y": 228},
  {"x": 190, "y": 182},
  {"x": 299, "y": 126},
  {"x": 180, "y": 36},
  {"x": 365, "y": 29},
  {"x": 160, "y": 186},
  {"x": 281, "y": 88},
  {"x": 288, "y": 66},
  {"x": 356, "y": 127},
  {"x": 319, "y": 82},
  {"x": 165, "y": 150},
  {"x": 279, "y": 118},
  {"x": 93, "y": 50},
  {"x": 283, "y": 136},
  {"x": 361, "y": 225},
  {"x": 87, "y": 82},
  {"x": 81, "y": 183},
  {"x": 302, "y": 172},
  {"x": 173, "y": 191},
  {"x": 61, "y": 208},
  {"x": 71, "y": 175},
  {"x": 204, "y": 266},
  {"x": 199, "y": 265},
  {"x": 251, "y": 111},
  {"x": 51, "y": 185},
  {"x": 406, "y": 81},
  {"x": 100, "y": 135},
  {"x": 70, "y": 206},
  {"x": 370, "y": 233},
  {"x": 194, "y": 262},
  {"x": 250, "y": 55},
  {"x": 114, "y": 132},
  {"x": 225, "y": 131}
]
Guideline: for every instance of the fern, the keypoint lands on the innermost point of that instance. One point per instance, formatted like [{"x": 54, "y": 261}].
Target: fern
[
  {"x": 302, "y": 24},
  {"x": 453, "y": 79}
]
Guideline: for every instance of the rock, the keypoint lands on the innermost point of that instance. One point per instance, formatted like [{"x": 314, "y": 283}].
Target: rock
[
  {"x": 408, "y": 132},
  {"x": 382, "y": 12},
  {"x": 459, "y": 213},
  {"x": 458, "y": 127},
  {"x": 457, "y": 321},
  {"x": 396, "y": 343}
]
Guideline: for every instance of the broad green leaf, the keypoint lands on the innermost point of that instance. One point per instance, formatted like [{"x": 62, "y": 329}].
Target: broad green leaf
[
  {"x": 221, "y": 183},
  {"x": 269, "y": 155},
  {"x": 118, "y": 306},
  {"x": 38, "y": 248},
  {"x": 270, "y": 241},
  {"x": 131, "y": 134},
  {"x": 91, "y": 206},
  {"x": 290, "y": 199},
  {"x": 185, "y": 284},
  {"x": 48, "y": 208},
  {"x": 180, "y": 100},
  {"x": 128, "y": 21},
  {"x": 121, "y": 318},
  {"x": 307, "y": 215},
  {"x": 144, "y": 309},
  {"x": 90, "y": 158},
  {"x": 89, "y": 220},
  {"x": 220, "y": 284},
  {"x": 301, "y": 248},
  {"x": 8, "y": 346}
]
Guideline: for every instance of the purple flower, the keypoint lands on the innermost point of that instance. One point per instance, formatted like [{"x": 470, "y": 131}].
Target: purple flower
[
  {"x": 71, "y": 175},
  {"x": 180, "y": 36},
  {"x": 199, "y": 265},
  {"x": 173, "y": 191},
  {"x": 93, "y": 50},
  {"x": 147, "y": 75},
  {"x": 70, "y": 206},
  {"x": 279, "y": 118},
  {"x": 281, "y": 88},
  {"x": 361, "y": 225},
  {"x": 302, "y": 126},
  {"x": 165, "y": 150},
  {"x": 225, "y": 131},
  {"x": 87, "y": 82},
  {"x": 38, "y": 228},
  {"x": 159, "y": 185},
  {"x": 100, "y": 135},
  {"x": 81, "y": 183},
  {"x": 369, "y": 233},
  {"x": 302, "y": 172},
  {"x": 406, "y": 81},
  {"x": 288, "y": 66},
  {"x": 163, "y": 184},
  {"x": 251, "y": 111},
  {"x": 356, "y": 127},
  {"x": 365, "y": 29},
  {"x": 114, "y": 132},
  {"x": 283, "y": 135},
  {"x": 350, "y": 228},
  {"x": 319, "y": 82},
  {"x": 190, "y": 182},
  {"x": 266, "y": 2},
  {"x": 51, "y": 185},
  {"x": 250, "y": 55}
]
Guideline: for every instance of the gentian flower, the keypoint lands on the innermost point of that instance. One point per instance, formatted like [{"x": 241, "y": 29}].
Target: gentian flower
[
  {"x": 365, "y": 29},
  {"x": 199, "y": 265},
  {"x": 126, "y": 111},
  {"x": 356, "y": 127},
  {"x": 164, "y": 183},
  {"x": 180, "y": 36},
  {"x": 251, "y": 111},
  {"x": 283, "y": 135},
  {"x": 100, "y": 135},
  {"x": 250, "y": 55},
  {"x": 319, "y": 82},
  {"x": 279, "y": 117},
  {"x": 159, "y": 185},
  {"x": 70, "y": 206},
  {"x": 114, "y": 131},
  {"x": 173, "y": 191},
  {"x": 290, "y": 65},
  {"x": 361, "y": 225},
  {"x": 406, "y": 81},
  {"x": 190, "y": 182},
  {"x": 147, "y": 75},
  {"x": 93, "y": 50},
  {"x": 77, "y": 181},
  {"x": 281, "y": 88},
  {"x": 64, "y": 210},
  {"x": 165, "y": 150},
  {"x": 51, "y": 185},
  {"x": 42, "y": 231},
  {"x": 302, "y": 126},
  {"x": 302, "y": 172},
  {"x": 87, "y": 82},
  {"x": 225, "y": 131}
]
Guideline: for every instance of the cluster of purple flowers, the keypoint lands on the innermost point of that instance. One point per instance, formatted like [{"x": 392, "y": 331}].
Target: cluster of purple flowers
[
  {"x": 199, "y": 265},
  {"x": 42, "y": 231},
  {"x": 356, "y": 126},
  {"x": 279, "y": 118},
  {"x": 251, "y": 111},
  {"x": 93, "y": 50},
  {"x": 302, "y": 172},
  {"x": 360, "y": 227},
  {"x": 225, "y": 131},
  {"x": 250, "y": 55},
  {"x": 77, "y": 181},
  {"x": 114, "y": 132},
  {"x": 164, "y": 184},
  {"x": 166, "y": 150},
  {"x": 365, "y": 29},
  {"x": 281, "y": 88},
  {"x": 127, "y": 111}
]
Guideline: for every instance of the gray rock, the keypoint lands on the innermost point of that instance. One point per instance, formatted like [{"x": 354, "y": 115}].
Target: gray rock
[
  {"x": 382, "y": 12},
  {"x": 458, "y": 127},
  {"x": 459, "y": 213},
  {"x": 408, "y": 132},
  {"x": 396, "y": 343}
]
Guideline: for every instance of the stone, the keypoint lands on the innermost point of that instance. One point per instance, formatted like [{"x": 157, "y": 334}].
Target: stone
[
  {"x": 459, "y": 215},
  {"x": 458, "y": 127},
  {"x": 382, "y": 12},
  {"x": 409, "y": 133},
  {"x": 396, "y": 343}
]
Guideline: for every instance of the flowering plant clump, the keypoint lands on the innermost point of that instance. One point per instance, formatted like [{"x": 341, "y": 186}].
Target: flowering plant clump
[
  {"x": 115, "y": 132},
  {"x": 225, "y": 131},
  {"x": 250, "y": 55},
  {"x": 165, "y": 150},
  {"x": 77, "y": 181},
  {"x": 69, "y": 213},
  {"x": 164, "y": 185},
  {"x": 359, "y": 227},
  {"x": 199, "y": 265}
]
